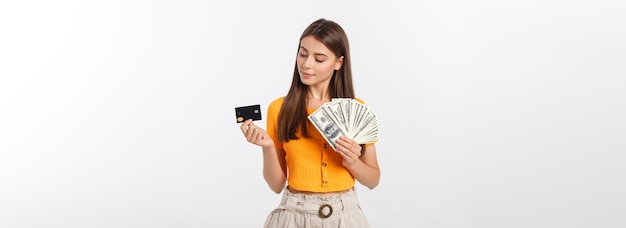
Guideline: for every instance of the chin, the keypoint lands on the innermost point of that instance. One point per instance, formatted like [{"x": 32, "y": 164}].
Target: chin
[{"x": 307, "y": 81}]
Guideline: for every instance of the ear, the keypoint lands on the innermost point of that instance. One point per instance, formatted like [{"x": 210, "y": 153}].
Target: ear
[{"x": 339, "y": 63}]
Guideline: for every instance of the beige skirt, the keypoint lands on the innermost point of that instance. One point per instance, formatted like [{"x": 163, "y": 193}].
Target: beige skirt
[{"x": 297, "y": 210}]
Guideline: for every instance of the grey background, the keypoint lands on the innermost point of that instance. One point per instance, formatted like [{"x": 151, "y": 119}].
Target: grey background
[{"x": 492, "y": 113}]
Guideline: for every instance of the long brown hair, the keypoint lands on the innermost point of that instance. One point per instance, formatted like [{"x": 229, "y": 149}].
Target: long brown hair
[{"x": 293, "y": 113}]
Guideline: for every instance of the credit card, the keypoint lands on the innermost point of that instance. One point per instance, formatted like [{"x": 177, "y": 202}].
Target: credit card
[{"x": 244, "y": 113}]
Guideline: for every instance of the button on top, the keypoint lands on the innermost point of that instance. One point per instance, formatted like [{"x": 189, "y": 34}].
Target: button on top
[
  {"x": 325, "y": 145},
  {"x": 323, "y": 164}
]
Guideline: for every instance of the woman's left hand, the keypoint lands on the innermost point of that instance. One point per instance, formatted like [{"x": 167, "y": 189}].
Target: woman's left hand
[{"x": 349, "y": 149}]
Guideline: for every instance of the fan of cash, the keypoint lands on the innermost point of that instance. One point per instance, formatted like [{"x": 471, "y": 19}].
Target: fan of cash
[{"x": 345, "y": 116}]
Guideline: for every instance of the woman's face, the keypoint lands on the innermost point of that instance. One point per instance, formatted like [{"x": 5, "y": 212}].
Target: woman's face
[{"x": 316, "y": 63}]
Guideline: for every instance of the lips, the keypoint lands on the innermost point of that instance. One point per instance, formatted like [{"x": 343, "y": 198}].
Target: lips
[{"x": 306, "y": 75}]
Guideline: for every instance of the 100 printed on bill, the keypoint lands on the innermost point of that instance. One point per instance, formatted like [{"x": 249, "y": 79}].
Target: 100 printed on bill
[{"x": 345, "y": 116}]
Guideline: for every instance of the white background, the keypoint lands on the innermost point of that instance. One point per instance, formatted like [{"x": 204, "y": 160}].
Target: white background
[{"x": 492, "y": 113}]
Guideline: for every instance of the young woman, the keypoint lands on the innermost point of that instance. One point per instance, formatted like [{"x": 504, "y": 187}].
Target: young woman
[{"x": 318, "y": 181}]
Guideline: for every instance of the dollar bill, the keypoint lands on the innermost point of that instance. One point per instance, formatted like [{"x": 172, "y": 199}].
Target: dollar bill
[
  {"x": 328, "y": 127},
  {"x": 345, "y": 116}
]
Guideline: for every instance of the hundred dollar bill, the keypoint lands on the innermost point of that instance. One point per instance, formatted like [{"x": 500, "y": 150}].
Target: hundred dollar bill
[
  {"x": 325, "y": 124},
  {"x": 364, "y": 127},
  {"x": 348, "y": 117},
  {"x": 337, "y": 115}
]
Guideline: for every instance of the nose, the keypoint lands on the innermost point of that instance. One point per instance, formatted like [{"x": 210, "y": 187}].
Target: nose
[{"x": 308, "y": 62}]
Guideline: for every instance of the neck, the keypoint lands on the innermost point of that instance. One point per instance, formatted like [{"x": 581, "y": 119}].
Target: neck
[{"x": 319, "y": 94}]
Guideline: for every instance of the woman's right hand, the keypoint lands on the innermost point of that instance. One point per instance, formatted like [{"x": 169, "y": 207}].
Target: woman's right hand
[{"x": 255, "y": 134}]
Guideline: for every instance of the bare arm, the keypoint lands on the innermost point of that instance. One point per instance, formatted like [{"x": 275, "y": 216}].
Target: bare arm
[
  {"x": 274, "y": 168},
  {"x": 274, "y": 165},
  {"x": 364, "y": 168}
]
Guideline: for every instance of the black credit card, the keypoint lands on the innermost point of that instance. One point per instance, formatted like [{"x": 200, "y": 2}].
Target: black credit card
[{"x": 248, "y": 112}]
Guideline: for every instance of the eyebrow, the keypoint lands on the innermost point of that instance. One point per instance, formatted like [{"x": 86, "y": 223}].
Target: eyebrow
[{"x": 322, "y": 54}]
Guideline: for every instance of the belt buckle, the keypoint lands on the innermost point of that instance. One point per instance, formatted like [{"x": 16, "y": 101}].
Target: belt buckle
[{"x": 321, "y": 211}]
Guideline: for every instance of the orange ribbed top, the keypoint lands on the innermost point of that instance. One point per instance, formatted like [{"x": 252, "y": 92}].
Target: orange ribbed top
[{"x": 312, "y": 164}]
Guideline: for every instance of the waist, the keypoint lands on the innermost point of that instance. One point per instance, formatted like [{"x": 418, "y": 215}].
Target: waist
[
  {"x": 322, "y": 204},
  {"x": 321, "y": 194}
]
